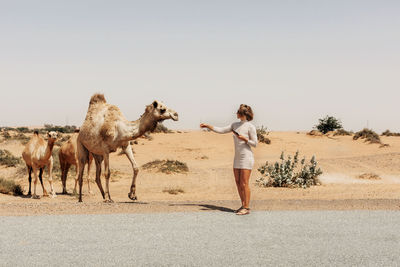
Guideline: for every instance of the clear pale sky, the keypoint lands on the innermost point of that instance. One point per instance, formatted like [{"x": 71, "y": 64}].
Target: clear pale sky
[{"x": 292, "y": 61}]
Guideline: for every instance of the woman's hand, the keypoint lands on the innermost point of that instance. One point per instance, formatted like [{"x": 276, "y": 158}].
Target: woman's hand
[
  {"x": 241, "y": 137},
  {"x": 203, "y": 125}
]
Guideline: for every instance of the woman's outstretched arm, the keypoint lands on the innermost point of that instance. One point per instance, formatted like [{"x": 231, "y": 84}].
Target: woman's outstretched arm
[
  {"x": 221, "y": 130},
  {"x": 252, "y": 137}
]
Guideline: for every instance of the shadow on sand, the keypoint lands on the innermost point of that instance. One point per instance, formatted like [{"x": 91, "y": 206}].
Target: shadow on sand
[{"x": 206, "y": 207}]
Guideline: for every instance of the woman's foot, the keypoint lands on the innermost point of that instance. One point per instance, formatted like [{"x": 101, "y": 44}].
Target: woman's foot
[
  {"x": 243, "y": 211},
  {"x": 236, "y": 211}
]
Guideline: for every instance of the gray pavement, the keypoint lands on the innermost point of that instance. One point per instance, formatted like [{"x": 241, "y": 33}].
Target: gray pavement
[{"x": 264, "y": 238}]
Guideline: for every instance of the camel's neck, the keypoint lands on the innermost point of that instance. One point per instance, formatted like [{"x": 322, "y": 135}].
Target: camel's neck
[
  {"x": 141, "y": 126},
  {"x": 49, "y": 150}
]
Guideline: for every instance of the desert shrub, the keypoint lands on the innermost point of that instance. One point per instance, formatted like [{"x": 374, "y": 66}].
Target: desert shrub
[
  {"x": 369, "y": 136},
  {"x": 173, "y": 191},
  {"x": 61, "y": 129},
  {"x": 389, "y": 133},
  {"x": 23, "y": 130},
  {"x": 288, "y": 173},
  {"x": 8, "y": 159},
  {"x": 369, "y": 176},
  {"x": 160, "y": 128},
  {"x": 328, "y": 124},
  {"x": 261, "y": 135},
  {"x": 315, "y": 133},
  {"x": 22, "y": 138},
  {"x": 167, "y": 166},
  {"x": 10, "y": 187},
  {"x": 6, "y": 135},
  {"x": 342, "y": 132},
  {"x": 64, "y": 138}
]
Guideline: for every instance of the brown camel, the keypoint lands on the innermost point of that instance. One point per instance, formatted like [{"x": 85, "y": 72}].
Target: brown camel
[
  {"x": 37, "y": 155},
  {"x": 67, "y": 156},
  {"x": 105, "y": 129}
]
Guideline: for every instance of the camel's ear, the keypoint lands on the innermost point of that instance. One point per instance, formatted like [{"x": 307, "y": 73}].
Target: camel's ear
[{"x": 155, "y": 104}]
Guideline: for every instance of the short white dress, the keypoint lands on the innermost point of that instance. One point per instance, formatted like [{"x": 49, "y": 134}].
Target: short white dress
[{"x": 244, "y": 158}]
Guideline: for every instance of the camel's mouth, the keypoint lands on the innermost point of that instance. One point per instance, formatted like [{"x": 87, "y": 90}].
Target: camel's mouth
[{"x": 174, "y": 117}]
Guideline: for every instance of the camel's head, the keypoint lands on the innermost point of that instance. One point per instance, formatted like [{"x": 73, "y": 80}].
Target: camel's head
[
  {"x": 162, "y": 112},
  {"x": 52, "y": 136}
]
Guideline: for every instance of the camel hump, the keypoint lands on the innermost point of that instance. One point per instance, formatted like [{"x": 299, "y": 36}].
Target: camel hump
[{"x": 97, "y": 98}]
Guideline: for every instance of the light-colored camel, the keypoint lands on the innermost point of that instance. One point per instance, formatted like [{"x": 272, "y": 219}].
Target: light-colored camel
[
  {"x": 37, "y": 155},
  {"x": 68, "y": 156},
  {"x": 105, "y": 129}
]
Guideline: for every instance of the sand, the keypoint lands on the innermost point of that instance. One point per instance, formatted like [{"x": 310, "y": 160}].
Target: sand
[{"x": 210, "y": 183}]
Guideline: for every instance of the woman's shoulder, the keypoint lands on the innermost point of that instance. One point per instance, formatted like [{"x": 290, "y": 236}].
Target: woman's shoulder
[{"x": 250, "y": 125}]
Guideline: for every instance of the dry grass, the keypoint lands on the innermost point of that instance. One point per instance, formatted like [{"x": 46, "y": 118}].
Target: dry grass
[
  {"x": 315, "y": 133},
  {"x": 174, "y": 191},
  {"x": 369, "y": 176},
  {"x": 369, "y": 136},
  {"x": 167, "y": 166},
  {"x": 8, "y": 159},
  {"x": 10, "y": 187},
  {"x": 262, "y": 135},
  {"x": 342, "y": 132}
]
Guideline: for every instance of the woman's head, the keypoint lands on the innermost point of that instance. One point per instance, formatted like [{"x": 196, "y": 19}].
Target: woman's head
[{"x": 245, "y": 111}]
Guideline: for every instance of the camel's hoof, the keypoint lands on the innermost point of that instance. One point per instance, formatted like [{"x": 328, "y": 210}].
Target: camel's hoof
[
  {"x": 53, "y": 196},
  {"x": 132, "y": 196},
  {"x": 35, "y": 197},
  {"x": 108, "y": 201},
  {"x": 29, "y": 194}
]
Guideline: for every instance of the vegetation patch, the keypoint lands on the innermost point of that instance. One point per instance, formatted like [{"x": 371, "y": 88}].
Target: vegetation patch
[
  {"x": 288, "y": 173},
  {"x": 369, "y": 136},
  {"x": 369, "y": 176},
  {"x": 6, "y": 135},
  {"x": 160, "y": 128},
  {"x": 174, "y": 191},
  {"x": 22, "y": 138},
  {"x": 342, "y": 132},
  {"x": 8, "y": 159},
  {"x": 315, "y": 133},
  {"x": 389, "y": 133},
  {"x": 262, "y": 135},
  {"x": 167, "y": 166},
  {"x": 10, "y": 187},
  {"x": 328, "y": 124}
]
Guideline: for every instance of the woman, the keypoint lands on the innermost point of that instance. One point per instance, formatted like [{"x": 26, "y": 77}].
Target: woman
[{"x": 244, "y": 135}]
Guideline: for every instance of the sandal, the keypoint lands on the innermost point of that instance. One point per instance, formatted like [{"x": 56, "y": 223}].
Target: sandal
[
  {"x": 239, "y": 209},
  {"x": 243, "y": 211}
]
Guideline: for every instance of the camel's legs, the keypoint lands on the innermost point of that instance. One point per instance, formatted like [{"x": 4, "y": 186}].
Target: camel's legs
[
  {"x": 98, "y": 160},
  {"x": 83, "y": 155},
  {"x": 64, "y": 175},
  {"x": 50, "y": 172},
  {"x": 29, "y": 179},
  {"x": 88, "y": 172},
  {"x": 135, "y": 168},
  {"x": 107, "y": 173},
  {"x": 35, "y": 175},
  {"x": 41, "y": 182},
  {"x": 76, "y": 178}
]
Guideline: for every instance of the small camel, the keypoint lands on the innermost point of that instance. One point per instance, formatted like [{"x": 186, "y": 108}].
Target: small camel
[
  {"x": 68, "y": 156},
  {"x": 105, "y": 129},
  {"x": 37, "y": 155}
]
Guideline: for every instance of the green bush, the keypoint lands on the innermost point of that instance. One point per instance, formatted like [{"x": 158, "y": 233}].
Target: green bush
[
  {"x": 23, "y": 130},
  {"x": 288, "y": 173},
  {"x": 8, "y": 159},
  {"x": 369, "y": 136},
  {"x": 10, "y": 187},
  {"x": 61, "y": 129},
  {"x": 328, "y": 124}
]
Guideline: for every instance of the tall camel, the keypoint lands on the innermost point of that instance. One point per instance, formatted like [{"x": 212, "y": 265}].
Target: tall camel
[
  {"x": 37, "y": 155},
  {"x": 68, "y": 156},
  {"x": 105, "y": 129}
]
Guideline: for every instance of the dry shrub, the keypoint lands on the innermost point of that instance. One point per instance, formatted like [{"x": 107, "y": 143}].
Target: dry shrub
[
  {"x": 173, "y": 191},
  {"x": 389, "y": 133},
  {"x": 342, "y": 132},
  {"x": 262, "y": 135},
  {"x": 369, "y": 176},
  {"x": 10, "y": 187},
  {"x": 160, "y": 128},
  {"x": 369, "y": 136},
  {"x": 8, "y": 159},
  {"x": 166, "y": 166},
  {"x": 315, "y": 133},
  {"x": 22, "y": 138}
]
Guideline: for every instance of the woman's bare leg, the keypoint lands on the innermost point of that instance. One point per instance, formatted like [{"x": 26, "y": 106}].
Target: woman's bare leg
[
  {"x": 244, "y": 184},
  {"x": 236, "y": 172}
]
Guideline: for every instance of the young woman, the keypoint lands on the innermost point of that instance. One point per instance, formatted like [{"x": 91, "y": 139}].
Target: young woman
[{"x": 244, "y": 135}]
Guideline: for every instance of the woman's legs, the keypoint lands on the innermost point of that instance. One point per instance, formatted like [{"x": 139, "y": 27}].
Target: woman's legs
[
  {"x": 237, "y": 174},
  {"x": 244, "y": 186}
]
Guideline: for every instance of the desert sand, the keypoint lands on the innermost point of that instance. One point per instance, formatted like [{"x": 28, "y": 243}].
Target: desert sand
[{"x": 210, "y": 185}]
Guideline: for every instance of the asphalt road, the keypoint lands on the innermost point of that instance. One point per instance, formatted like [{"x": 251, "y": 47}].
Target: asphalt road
[{"x": 268, "y": 238}]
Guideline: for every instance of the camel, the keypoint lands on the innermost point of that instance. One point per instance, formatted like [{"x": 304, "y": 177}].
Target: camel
[
  {"x": 67, "y": 156},
  {"x": 105, "y": 129},
  {"x": 37, "y": 155}
]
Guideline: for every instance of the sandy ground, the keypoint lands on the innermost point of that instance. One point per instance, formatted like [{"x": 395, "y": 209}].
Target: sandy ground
[{"x": 209, "y": 184}]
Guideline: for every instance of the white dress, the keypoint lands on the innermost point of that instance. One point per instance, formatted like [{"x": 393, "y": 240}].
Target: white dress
[{"x": 244, "y": 158}]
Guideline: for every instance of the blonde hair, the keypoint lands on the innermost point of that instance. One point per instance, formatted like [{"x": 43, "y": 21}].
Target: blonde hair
[{"x": 245, "y": 110}]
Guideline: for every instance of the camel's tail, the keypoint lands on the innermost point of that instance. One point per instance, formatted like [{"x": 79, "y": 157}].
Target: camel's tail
[{"x": 97, "y": 98}]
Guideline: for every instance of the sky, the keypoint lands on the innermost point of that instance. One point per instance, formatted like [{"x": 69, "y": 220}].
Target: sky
[{"x": 293, "y": 62}]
